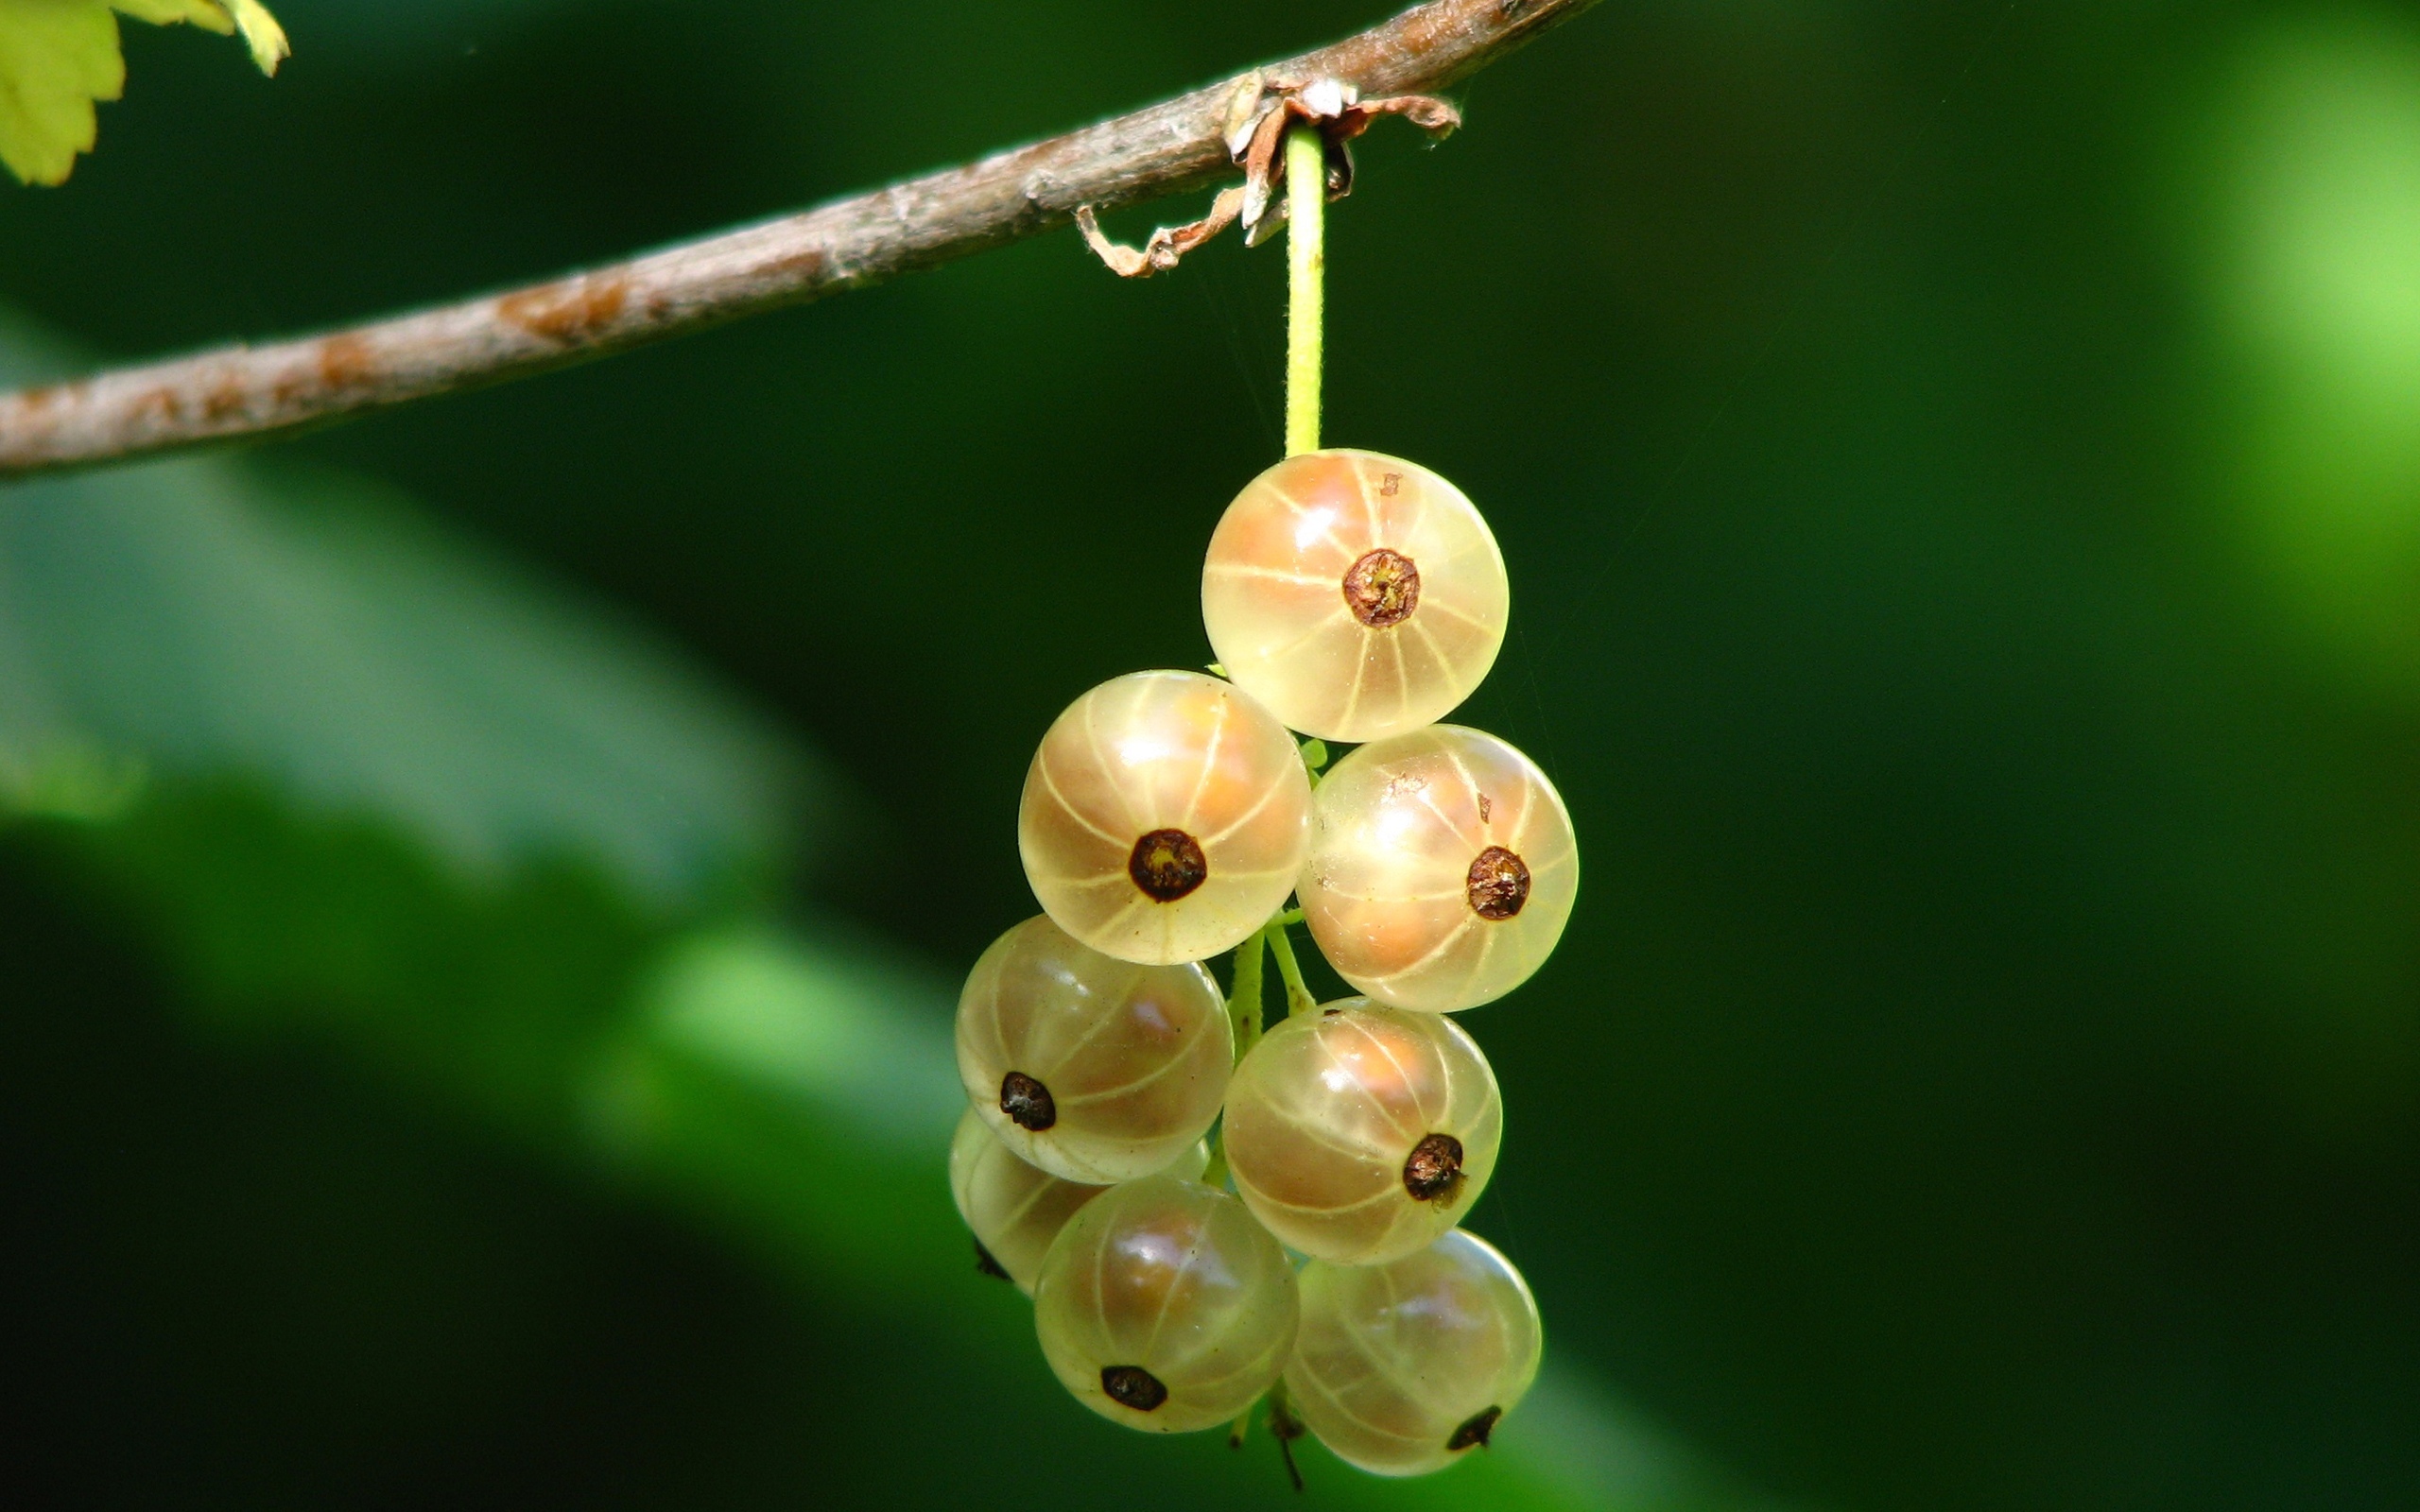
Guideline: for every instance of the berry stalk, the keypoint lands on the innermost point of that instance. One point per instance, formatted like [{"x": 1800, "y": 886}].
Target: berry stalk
[
  {"x": 1306, "y": 274},
  {"x": 1244, "y": 1001},
  {"x": 1285, "y": 1427},
  {"x": 1245, "y": 1013},
  {"x": 1297, "y": 997}
]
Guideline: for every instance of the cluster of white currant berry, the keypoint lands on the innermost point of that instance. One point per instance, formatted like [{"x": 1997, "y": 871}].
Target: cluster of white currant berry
[{"x": 1166, "y": 817}]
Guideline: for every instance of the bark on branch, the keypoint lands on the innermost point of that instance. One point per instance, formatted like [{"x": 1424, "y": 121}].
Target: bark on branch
[{"x": 1166, "y": 148}]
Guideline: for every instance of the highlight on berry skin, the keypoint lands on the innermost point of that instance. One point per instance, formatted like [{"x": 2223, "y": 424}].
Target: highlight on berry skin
[
  {"x": 1162, "y": 1306},
  {"x": 1442, "y": 868},
  {"x": 1165, "y": 817},
  {"x": 1361, "y": 1133},
  {"x": 1092, "y": 1069},
  {"x": 1358, "y": 595},
  {"x": 1014, "y": 1210},
  {"x": 1405, "y": 1368}
]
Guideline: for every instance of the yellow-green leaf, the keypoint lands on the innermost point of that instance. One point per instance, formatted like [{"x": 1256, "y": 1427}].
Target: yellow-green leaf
[
  {"x": 208, "y": 14},
  {"x": 261, "y": 33},
  {"x": 59, "y": 57}
]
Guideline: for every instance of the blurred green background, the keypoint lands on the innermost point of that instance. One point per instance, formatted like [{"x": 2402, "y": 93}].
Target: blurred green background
[{"x": 482, "y": 888}]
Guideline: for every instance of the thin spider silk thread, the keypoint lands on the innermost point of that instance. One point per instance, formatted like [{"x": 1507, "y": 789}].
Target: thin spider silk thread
[{"x": 1223, "y": 314}]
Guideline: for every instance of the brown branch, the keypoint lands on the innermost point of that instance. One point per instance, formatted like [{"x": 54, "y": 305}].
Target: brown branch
[{"x": 1164, "y": 149}]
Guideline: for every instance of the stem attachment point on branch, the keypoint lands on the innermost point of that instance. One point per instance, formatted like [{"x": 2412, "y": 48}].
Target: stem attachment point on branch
[
  {"x": 1171, "y": 148},
  {"x": 1261, "y": 115}
]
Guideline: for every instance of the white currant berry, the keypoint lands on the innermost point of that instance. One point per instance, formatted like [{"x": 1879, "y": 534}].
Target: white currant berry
[
  {"x": 1165, "y": 817},
  {"x": 1403, "y": 1368},
  {"x": 1356, "y": 595},
  {"x": 1162, "y": 1306},
  {"x": 1016, "y": 1210},
  {"x": 1443, "y": 868},
  {"x": 1358, "y": 1133},
  {"x": 1094, "y": 1068}
]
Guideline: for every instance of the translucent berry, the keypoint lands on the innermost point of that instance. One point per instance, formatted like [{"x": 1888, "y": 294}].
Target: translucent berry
[
  {"x": 1016, "y": 1210},
  {"x": 1441, "y": 870},
  {"x": 1359, "y": 1133},
  {"x": 1356, "y": 595},
  {"x": 1162, "y": 1306},
  {"x": 1094, "y": 1068},
  {"x": 1402, "y": 1368},
  {"x": 1165, "y": 817}
]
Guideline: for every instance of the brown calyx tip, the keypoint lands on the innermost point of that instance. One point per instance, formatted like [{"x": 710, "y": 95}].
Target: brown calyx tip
[
  {"x": 1382, "y": 589},
  {"x": 1167, "y": 865},
  {"x": 1498, "y": 884},
  {"x": 1475, "y": 1433},
  {"x": 986, "y": 1265},
  {"x": 1131, "y": 1386},
  {"x": 1285, "y": 1427},
  {"x": 1434, "y": 1168},
  {"x": 1028, "y": 1103}
]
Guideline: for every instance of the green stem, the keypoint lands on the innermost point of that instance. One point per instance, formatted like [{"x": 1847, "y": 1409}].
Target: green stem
[
  {"x": 1244, "y": 1018},
  {"x": 1306, "y": 273},
  {"x": 1314, "y": 753},
  {"x": 1297, "y": 997},
  {"x": 1244, "y": 1003},
  {"x": 1247, "y": 1013},
  {"x": 1214, "y": 1174}
]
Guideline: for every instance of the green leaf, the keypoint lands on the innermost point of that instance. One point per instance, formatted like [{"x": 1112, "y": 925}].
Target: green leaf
[
  {"x": 58, "y": 57},
  {"x": 312, "y": 633},
  {"x": 262, "y": 34}
]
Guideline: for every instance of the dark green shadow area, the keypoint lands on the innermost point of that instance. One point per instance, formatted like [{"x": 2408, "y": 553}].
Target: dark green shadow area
[{"x": 1961, "y": 475}]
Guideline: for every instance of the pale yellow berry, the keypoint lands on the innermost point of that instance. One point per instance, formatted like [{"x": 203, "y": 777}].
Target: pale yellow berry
[
  {"x": 1162, "y": 1306},
  {"x": 1097, "y": 1069},
  {"x": 1403, "y": 1368},
  {"x": 1442, "y": 871},
  {"x": 1356, "y": 595},
  {"x": 1165, "y": 817},
  {"x": 1357, "y": 1133},
  {"x": 1016, "y": 1210}
]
